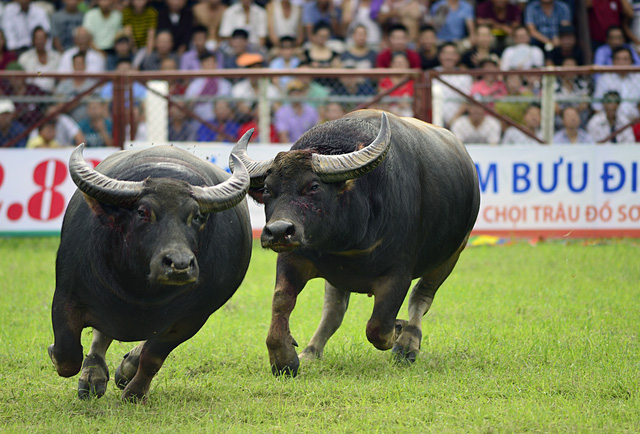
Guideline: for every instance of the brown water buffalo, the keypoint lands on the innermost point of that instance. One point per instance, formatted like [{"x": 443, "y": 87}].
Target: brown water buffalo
[{"x": 367, "y": 202}]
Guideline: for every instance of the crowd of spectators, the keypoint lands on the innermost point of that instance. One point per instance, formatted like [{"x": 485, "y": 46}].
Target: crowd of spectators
[{"x": 453, "y": 36}]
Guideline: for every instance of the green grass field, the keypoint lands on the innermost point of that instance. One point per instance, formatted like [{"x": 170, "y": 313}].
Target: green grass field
[{"x": 520, "y": 338}]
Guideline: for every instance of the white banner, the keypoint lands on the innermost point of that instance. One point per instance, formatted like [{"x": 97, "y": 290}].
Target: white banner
[{"x": 574, "y": 191}]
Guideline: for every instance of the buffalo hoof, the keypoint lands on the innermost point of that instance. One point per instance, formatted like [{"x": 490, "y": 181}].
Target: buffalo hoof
[
  {"x": 94, "y": 377},
  {"x": 310, "y": 353},
  {"x": 290, "y": 370},
  {"x": 64, "y": 366},
  {"x": 127, "y": 369},
  {"x": 134, "y": 396},
  {"x": 403, "y": 357}
]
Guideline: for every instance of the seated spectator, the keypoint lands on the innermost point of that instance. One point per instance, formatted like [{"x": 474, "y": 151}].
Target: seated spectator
[
  {"x": 139, "y": 91},
  {"x": 454, "y": 20},
  {"x": 40, "y": 59},
  {"x": 139, "y": 21},
  {"x": 286, "y": 59},
  {"x": 603, "y": 14},
  {"x": 625, "y": 83},
  {"x": 46, "y": 137},
  {"x": 29, "y": 110},
  {"x": 181, "y": 127},
  {"x": 207, "y": 87},
  {"x": 615, "y": 38},
  {"x": 103, "y": 21},
  {"x": 208, "y": 13},
  {"x": 514, "y": 105},
  {"x": 222, "y": 128},
  {"x": 317, "y": 94},
  {"x": 610, "y": 119},
  {"x": 543, "y": 18},
  {"x": 10, "y": 129},
  {"x": 250, "y": 120},
  {"x": 284, "y": 19},
  {"x": 490, "y": 87},
  {"x": 408, "y": 13},
  {"x": 477, "y": 127},
  {"x": 428, "y": 47},
  {"x": 247, "y": 90},
  {"x": 68, "y": 132},
  {"x": 235, "y": 47},
  {"x": 318, "y": 54},
  {"x": 568, "y": 48},
  {"x": 358, "y": 54},
  {"x": 331, "y": 112},
  {"x": 94, "y": 60},
  {"x": 190, "y": 60},
  {"x": 248, "y": 16},
  {"x": 572, "y": 90},
  {"x": 513, "y": 136},
  {"x": 123, "y": 49},
  {"x": 398, "y": 43},
  {"x": 354, "y": 86},
  {"x": 571, "y": 133},
  {"x": 480, "y": 50},
  {"x": 163, "y": 47},
  {"x": 521, "y": 55},
  {"x": 63, "y": 23},
  {"x": 452, "y": 103},
  {"x": 296, "y": 117},
  {"x": 97, "y": 127},
  {"x": 315, "y": 11},
  {"x": 72, "y": 87},
  {"x": 18, "y": 20},
  {"x": 501, "y": 16},
  {"x": 406, "y": 90},
  {"x": 177, "y": 86},
  {"x": 6, "y": 56},
  {"x": 176, "y": 17},
  {"x": 361, "y": 13}
]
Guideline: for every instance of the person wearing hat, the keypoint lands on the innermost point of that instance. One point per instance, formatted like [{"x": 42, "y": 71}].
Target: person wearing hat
[
  {"x": 10, "y": 129},
  {"x": 602, "y": 124},
  {"x": 293, "y": 119},
  {"x": 247, "y": 90}
]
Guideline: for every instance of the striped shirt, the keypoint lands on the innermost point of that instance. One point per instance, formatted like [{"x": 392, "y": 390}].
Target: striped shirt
[{"x": 140, "y": 23}]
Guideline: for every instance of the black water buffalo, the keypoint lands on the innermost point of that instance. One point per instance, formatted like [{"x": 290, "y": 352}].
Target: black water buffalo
[
  {"x": 152, "y": 243},
  {"x": 332, "y": 213}
]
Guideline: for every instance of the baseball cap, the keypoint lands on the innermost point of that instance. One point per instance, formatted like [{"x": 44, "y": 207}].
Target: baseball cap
[
  {"x": 249, "y": 59},
  {"x": 6, "y": 106}
]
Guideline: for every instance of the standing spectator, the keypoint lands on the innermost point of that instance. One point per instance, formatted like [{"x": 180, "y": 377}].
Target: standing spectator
[
  {"x": 568, "y": 48},
  {"x": 315, "y": 11},
  {"x": 452, "y": 104},
  {"x": 122, "y": 49},
  {"x": 103, "y": 22},
  {"x": 610, "y": 119},
  {"x": 207, "y": 87},
  {"x": 208, "y": 13},
  {"x": 176, "y": 16},
  {"x": 225, "y": 128},
  {"x": 46, "y": 137},
  {"x": 501, "y": 16},
  {"x": 603, "y": 14},
  {"x": 6, "y": 56},
  {"x": 409, "y": 13},
  {"x": 248, "y": 16},
  {"x": 521, "y": 55},
  {"x": 399, "y": 108},
  {"x": 571, "y": 133},
  {"x": 190, "y": 60},
  {"x": 481, "y": 49},
  {"x": 284, "y": 19},
  {"x": 63, "y": 23},
  {"x": 162, "y": 49},
  {"x": 454, "y": 20},
  {"x": 181, "y": 127},
  {"x": 94, "y": 60},
  {"x": 615, "y": 38},
  {"x": 40, "y": 59},
  {"x": 285, "y": 60},
  {"x": 139, "y": 21},
  {"x": 625, "y": 83},
  {"x": 476, "y": 127},
  {"x": 72, "y": 87},
  {"x": 490, "y": 87},
  {"x": 360, "y": 13},
  {"x": 10, "y": 129},
  {"x": 428, "y": 47},
  {"x": 97, "y": 127},
  {"x": 293, "y": 119},
  {"x": 398, "y": 43},
  {"x": 19, "y": 19},
  {"x": 513, "y": 136},
  {"x": 544, "y": 18}
]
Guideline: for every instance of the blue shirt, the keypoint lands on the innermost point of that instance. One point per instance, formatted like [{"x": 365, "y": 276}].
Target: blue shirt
[
  {"x": 93, "y": 138},
  {"x": 15, "y": 129},
  {"x": 604, "y": 54},
  {"x": 311, "y": 14},
  {"x": 547, "y": 25},
  {"x": 286, "y": 119},
  {"x": 454, "y": 27},
  {"x": 561, "y": 138},
  {"x": 230, "y": 128}
]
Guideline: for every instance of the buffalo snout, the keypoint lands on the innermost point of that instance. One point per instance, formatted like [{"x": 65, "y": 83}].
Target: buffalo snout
[
  {"x": 175, "y": 267},
  {"x": 280, "y": 236}
]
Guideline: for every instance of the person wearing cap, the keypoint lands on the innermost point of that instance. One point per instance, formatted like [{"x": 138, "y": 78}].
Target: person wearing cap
[
  {"x": 10, "y": 129},
  {"x": 610, "y": 119},
  {"x": 293, "y": 119},
  {"x": 247, "y": 15},
  {"x": 82, "y": 43},
  {"x": 568, "y": 48}
]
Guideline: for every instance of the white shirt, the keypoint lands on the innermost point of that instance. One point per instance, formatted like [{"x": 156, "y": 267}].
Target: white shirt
[
  {"x": 521, "y": 56},
  {"x": 286, "y": 26},
  {"x": 18, "y": 26},
  {"x": 627, "y": 87},
  {"x": 487, "y": 132},
  {"x": 513, "y": 136},
  {"x": 451, "y": 100},
  {"x": 94, "y": 61},
  {"x": 235, "y": 18},
  {"x": 204, "y": 109},
  {"x": 599, "y": 128},
  {"x": 31, "y": 63}
]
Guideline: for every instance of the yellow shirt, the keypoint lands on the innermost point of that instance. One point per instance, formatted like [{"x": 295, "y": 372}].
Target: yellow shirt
[{"x": 38, "y": 142}]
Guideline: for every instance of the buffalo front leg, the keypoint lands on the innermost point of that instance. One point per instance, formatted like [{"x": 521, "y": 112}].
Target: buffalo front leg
[
  {"x": 389, "y": 293},
  {"x": 407, "y": 345},
  {"x": 291, "y": 276},
  {"x": 335, "y": 306},
  {"x": 95, "y": 374},
  {"x": 66, "y": 351},
  {"x": 127, "y": 369}
]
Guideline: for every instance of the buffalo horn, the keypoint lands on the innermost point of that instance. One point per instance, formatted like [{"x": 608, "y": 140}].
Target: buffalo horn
[
  {"x": 100, "y": 187},
  {"x": 257, "y": 169},
  {"x": 339, "y": 168},
  {"x": 226, "y": 194}
]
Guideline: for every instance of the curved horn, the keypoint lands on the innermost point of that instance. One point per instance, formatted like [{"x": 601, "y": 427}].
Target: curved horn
[
  {"x": 226, "y": 194},
  {"x": 100, "y": 187},
  {"x": 339, "y": 168},
  {"x": 256, "y": 169}
]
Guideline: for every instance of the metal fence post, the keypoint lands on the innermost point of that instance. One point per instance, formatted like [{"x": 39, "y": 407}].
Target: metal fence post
[
  {"x": 548, "y": 106},
  {"x": 264, "y": 112}
]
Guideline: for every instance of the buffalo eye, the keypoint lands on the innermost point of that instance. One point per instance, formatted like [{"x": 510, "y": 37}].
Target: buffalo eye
[
  {"x": 199, "y": 219},
  {"x": 311, "y": 188},
  {"x": 144, "y": 214}
]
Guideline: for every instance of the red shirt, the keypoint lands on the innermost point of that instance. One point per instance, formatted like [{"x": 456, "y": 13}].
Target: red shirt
[
  {"x": 384, "y": 59},
  {"x": 602, "y": 15},
  {"x": 404, "y": 90}
]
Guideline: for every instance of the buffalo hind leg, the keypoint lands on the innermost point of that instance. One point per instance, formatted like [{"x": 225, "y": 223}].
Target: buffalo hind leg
[
  {"x": 407, "y": 345},
  {"x": 95, "y": 374},
  {"x": 127, "y": 369},
  {"x": 334, "y": 307},
  {"x": 382, "y": 328}
]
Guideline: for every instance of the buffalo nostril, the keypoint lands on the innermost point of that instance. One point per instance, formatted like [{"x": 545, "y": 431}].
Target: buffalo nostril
[
  {"x": 178, "y": 261},
  {"x": 291, "y": 231},
  {"x": 279, "y": 230}
]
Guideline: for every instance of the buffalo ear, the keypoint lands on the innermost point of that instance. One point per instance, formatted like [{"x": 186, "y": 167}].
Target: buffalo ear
[
  {"x": 256, "y": 193},
  {"x": 105, "y": 214}
]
